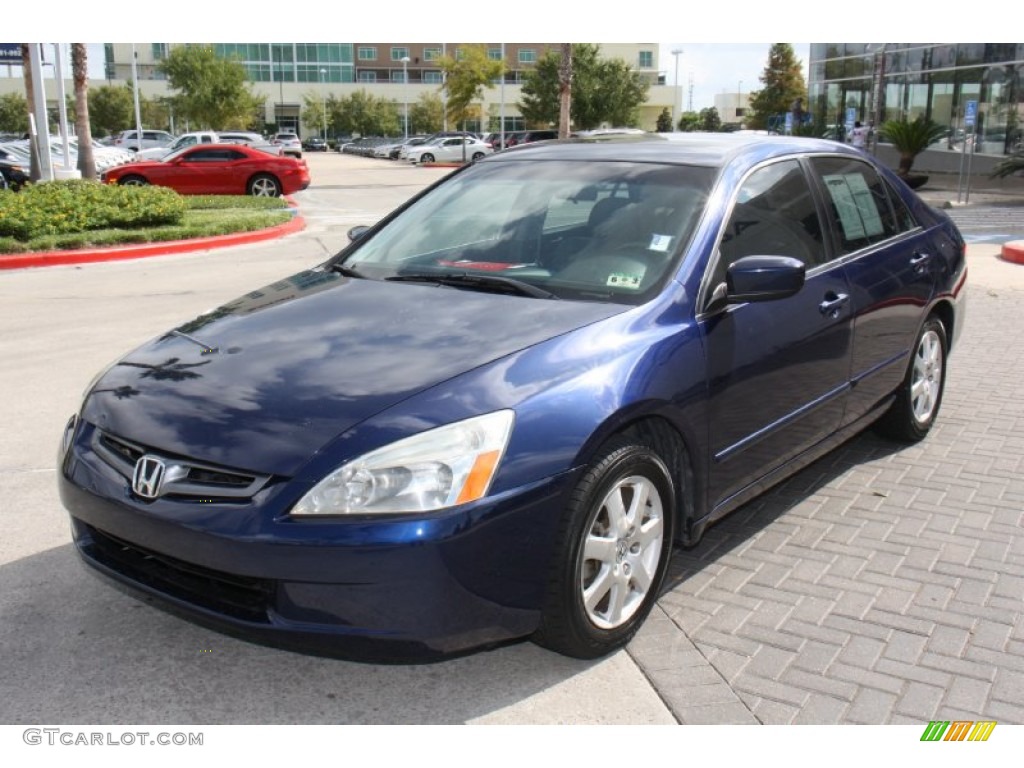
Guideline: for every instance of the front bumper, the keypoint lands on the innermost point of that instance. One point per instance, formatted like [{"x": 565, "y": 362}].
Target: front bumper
[{"x": 393, "y": 589}]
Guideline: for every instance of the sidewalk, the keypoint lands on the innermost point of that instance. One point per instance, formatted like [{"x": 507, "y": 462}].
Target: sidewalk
[{"x": 947, "y": 190}]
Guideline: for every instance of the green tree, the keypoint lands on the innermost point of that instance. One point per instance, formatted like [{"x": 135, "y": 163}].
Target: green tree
[
  {"x": 710, "y": 120},
  {"x": 465, "y": 78},
  {"x": 364, "y": 114},
  {"x": 910, "y": 139},
  {"x": 427, "y": 114},
  {"x": 664, "y": 121},
  {"x": 689, "y": 122},
  {"x": 211, "y": 92},
  {"x": 314, "y": 112},
  {"x": 783, "y": 80},
  {"x": 111, "y": 109},
  {"x": 13, "y": 113},
  {"x": 603, "y": 90}
]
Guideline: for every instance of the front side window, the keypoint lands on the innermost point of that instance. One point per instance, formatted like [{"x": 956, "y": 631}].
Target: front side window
[
  {"x": 858, "y": 200},
  {"x": 774, "y": 214},
  {"x": 581, "y": 230}
]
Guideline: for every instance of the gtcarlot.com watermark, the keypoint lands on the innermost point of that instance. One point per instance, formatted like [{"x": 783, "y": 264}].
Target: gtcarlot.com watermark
[{"x": 59, "y": 737}]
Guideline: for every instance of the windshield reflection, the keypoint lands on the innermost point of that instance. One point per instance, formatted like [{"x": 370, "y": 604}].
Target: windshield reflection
[{"x": 581, "y": 230}]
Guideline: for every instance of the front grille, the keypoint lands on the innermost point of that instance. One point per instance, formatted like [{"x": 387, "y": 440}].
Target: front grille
[
  {"x": 127, "y": 451},
  {"x": 238, "y": 597},
  {"x": 189, "y": 480}
]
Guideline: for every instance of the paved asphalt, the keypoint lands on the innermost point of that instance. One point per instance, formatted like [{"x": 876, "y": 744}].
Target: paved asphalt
[{"x": 883, "y": 584}]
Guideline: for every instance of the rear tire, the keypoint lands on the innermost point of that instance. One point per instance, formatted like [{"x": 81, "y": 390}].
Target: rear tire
[
  {"x": 613, "y": 552},
  {"x": 264, "y": 185},
  {"x": 912, "y": 414}
]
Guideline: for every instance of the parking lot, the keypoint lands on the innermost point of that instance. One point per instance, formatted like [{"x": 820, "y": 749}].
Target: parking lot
[{"x": 883, "y": 584}]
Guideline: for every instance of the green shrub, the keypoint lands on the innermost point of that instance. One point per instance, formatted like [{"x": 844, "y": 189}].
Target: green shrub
[{"x": 65, "y": 207}]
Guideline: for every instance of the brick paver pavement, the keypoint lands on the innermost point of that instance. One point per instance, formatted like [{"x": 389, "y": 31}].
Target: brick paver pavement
[{"x": 884, "y": 583}]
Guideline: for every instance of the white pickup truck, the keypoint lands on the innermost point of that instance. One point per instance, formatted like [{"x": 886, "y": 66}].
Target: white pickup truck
[
  {"x": 209, "y": 137},
  {"x": 185, "y": 140}
]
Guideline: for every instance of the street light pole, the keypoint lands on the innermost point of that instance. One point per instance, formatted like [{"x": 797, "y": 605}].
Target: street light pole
[
  {"x": 739, "y": 98},
  {"x": 323, "y": 95},
  {"x": 405, "y": 93},
  {"x": 677, "y": 101}
]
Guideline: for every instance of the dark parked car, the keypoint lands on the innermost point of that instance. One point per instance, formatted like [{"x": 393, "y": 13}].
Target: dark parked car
[
  {"x": 315, "y": 144},
  {"x": 15, "y": 174},
  {"x": 516, "y": 392}
]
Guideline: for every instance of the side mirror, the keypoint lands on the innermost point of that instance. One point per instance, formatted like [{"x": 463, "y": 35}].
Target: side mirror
[
  {"x": 357, "y": 232},
  {"x": 764, "y": 278}
]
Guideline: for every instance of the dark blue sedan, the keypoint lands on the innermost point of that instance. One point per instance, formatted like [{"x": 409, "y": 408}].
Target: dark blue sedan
[{"x": 493, "y": 414}]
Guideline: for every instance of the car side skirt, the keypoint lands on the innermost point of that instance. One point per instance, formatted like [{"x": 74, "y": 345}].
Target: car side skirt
[{"x": 786, "y": 470}]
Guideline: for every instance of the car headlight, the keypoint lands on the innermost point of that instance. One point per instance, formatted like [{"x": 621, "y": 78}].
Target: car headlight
[{"x": 433, "y": 470}]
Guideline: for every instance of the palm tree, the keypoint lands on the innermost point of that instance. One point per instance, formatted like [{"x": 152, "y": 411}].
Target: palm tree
[
  {"x": 1009, "y": 165},
  {"x": 911, "y": 139},
  {"x": 564, "y": 91},
  {"x": 80, "y": 72}
]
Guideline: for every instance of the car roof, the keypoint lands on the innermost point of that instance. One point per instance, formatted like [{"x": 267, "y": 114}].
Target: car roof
[{"x": 707, "y": 149}]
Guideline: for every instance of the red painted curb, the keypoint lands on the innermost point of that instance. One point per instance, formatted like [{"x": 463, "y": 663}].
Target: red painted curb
[
  {"x": 88, "y": 256},
  {"x": 1014, "y": 252}
]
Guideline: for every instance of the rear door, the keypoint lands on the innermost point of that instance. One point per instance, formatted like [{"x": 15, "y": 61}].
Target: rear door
[{"x": 892, "y": 269}]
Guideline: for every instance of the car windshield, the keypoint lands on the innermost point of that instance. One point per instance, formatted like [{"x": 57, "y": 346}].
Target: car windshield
[{"x": 589, "y": 231}]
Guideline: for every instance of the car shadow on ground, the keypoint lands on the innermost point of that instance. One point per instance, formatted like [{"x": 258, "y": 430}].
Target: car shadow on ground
[
  {"x": 78, "y": 651},
  {"x": 738, "y": 529}
]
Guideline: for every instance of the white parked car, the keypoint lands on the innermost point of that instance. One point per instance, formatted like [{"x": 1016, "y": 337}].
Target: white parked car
[
  {"x": 150, "y": 139},
  {"x": 452, "y": 149},
  {"x": 289, "y": 143}
]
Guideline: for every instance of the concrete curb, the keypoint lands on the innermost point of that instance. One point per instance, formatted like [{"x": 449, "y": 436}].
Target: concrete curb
[
  {"x": 1013, "y": 252},
  {"x": 144, "y": 250}
]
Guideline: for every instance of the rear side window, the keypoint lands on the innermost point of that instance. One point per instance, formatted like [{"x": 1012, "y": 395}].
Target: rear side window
[{"x": 859, "y": 202}]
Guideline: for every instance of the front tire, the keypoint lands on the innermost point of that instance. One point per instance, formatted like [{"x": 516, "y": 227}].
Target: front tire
[
  {"x": 264, "y": 185},
  {"x": 613, "y": 552},
  {"x": 912, "y": 414},
  {"x": 426, "y": 157},
  {"x": 132, "y": 181}
]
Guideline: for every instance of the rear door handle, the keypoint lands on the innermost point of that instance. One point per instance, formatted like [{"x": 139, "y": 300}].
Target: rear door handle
[
  {"x": 919, "y": 261},
  {"x": 833, "y": 304}
]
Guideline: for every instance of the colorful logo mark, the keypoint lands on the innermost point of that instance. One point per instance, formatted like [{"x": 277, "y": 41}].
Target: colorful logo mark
[{"x": 958, "y": 730}]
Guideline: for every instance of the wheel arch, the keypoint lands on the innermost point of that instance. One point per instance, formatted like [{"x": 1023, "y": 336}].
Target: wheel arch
[
  {"x": 944, "y": 312},
  {"x": 669, "y": 440}
]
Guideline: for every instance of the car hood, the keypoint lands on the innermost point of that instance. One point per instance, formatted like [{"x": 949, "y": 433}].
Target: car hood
[{"x": 264, "y": 382}]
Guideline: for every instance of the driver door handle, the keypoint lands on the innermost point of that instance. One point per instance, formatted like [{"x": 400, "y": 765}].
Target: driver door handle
[{"x": 833, "y": 304}]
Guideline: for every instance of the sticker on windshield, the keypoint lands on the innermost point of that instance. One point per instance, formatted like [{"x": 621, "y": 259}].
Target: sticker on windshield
[
  {"x": 660, "y": 243},
  {"x": 629, "y": 280}
]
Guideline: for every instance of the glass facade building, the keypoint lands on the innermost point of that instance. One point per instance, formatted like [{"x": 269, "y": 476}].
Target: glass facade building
[{"x": 893, "y": 81}]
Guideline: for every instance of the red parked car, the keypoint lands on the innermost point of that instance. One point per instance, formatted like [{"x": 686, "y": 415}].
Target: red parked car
[{"x": 217, "y": 169}]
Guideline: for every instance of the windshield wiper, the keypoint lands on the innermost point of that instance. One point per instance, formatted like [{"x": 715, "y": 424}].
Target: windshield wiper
[
  {"x": 344, "y": 271},
  {"x": 491, "y": 283}
]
